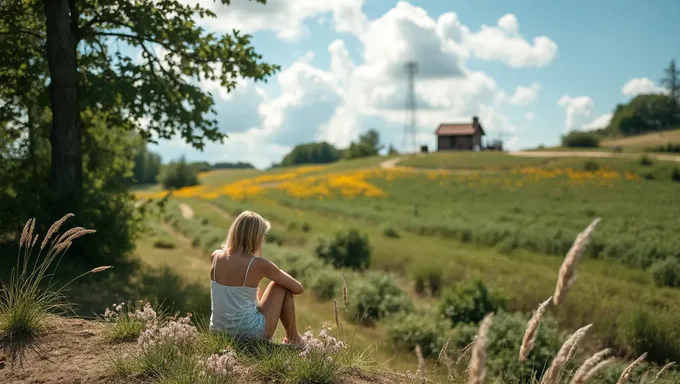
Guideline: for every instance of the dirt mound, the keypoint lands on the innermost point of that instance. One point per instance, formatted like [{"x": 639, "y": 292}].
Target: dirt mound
[
  {"x": 74, "y": 351},
  {"x": 71, "y": 351}
]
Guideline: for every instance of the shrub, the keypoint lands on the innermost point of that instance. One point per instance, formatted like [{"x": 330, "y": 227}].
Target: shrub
[
  {"x": 642, "y": 331},
  {"x": 590, "y": 166},
  {"x": 469, "y": 303},
  {"x": 326, "y": 284},
  {"x": 391, "y": 233},
  {"x": 428, "y": 330},
  {"x": 645, "y": 161},
  {"x": 164, "y": 243},
  {"x": 306, "y": 227},
  {"x": 578, "y": 139},
  {"x": 350, "y": 249},
  {"x": 376, "y": 296},
  {"x": 274, "y": 238},
  {"x": 301, "y": 266},
  {"x": 503, "y": 344},
  {"x": 428, "y": 279},
  {"x": 179, "y": 174},
  {"x": 675, "y": 174},
  {"x": 666, "y": 273}
]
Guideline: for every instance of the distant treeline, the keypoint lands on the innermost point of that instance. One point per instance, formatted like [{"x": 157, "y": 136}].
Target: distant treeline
[
  {"x": 148, "y": 169},
  {"x": 368, "y": 144},
  {"x": 643, "y": 114}
]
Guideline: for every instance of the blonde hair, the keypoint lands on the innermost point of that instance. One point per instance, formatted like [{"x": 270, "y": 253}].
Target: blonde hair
[{"x": 246, "y": 233}]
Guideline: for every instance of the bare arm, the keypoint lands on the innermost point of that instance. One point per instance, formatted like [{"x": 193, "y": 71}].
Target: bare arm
[{"x": 282, "y": 278}]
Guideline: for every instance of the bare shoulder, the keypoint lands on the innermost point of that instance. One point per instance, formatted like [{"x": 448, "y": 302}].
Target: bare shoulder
[
  {"x": 216, "y": 253},
  {"x": 265, "y": 264}
]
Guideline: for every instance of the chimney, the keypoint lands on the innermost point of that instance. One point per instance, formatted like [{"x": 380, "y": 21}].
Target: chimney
[{"x": 475, "y": 121}]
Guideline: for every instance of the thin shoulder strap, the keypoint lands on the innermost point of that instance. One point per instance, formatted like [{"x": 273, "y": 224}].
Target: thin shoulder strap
[
  {"x": 215, "y": 268},
  {"x": 248, "y": 270}
]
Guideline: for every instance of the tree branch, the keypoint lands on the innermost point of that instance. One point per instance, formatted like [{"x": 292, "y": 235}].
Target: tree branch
[
  {"x": 144, "y": 39},
  {"x": 25, "y": 32}
]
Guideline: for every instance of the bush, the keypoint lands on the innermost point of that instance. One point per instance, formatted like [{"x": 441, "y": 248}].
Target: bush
[
  {"x": 274, "y": 238},
  {"x": 179, "y": 174},
  {"x": 164, "y": 243},
  {"x": 428, "y": 279},
  {"x": 469, "y": 303},
  {"x": 375, "y": 297},
  {"x": 429, "y": 330},
  {"x": 391, "y": 233},
  {"x": 578, "y": 139},
  {"x": 504, "y": 340},
  {"x": 301, "y": 266},
  {"x": 645, "y": 161},
  {"x": 306, "y": 227},
  {"x": 590, "y": 166},
  {"x": 350, "y": 249},
  {"x": 666, "y": 273},
  {"x": 675, "y": 175},
  {"x": 326, "y": 284}
]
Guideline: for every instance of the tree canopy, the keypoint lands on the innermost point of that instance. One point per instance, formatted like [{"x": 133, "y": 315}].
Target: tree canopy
[
  {"x": 367, "y": 145},
  {"x": 140, "y": 62},
  {"x": 312, "y": 153},
  {"x": 645, "y": 113}
]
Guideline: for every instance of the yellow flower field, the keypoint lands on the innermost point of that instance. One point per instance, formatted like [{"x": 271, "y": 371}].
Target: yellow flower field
[{"x": 348, "y": 184}]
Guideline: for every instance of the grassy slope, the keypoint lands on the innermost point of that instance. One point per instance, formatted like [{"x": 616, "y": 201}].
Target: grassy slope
[
  {"x": 193, "y": 264},
  {"x": 527, "y": 278},
  {"x": 639, "y": 143}
]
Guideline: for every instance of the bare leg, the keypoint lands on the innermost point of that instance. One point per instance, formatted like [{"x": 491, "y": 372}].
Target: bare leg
[{"x": 277, "y": 303}]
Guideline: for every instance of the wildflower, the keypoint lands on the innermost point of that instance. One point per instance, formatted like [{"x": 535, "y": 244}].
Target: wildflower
[{"x": 221, "y": 364}]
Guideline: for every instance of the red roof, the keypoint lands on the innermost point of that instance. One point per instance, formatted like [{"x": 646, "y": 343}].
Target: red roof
[{"x": 464, "y": 129}]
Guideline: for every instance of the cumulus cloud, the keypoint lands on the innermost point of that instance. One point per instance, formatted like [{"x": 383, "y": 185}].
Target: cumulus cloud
[
  {"x": 601, "y": 121},
  {"x": 529, "y": 116},
  {"x": 639, "y": 86},
  {"x": 504, "y": 43},
  {"x": 525, "y": 95},
  {"x": 348, "y": 97},
  {"x": 578, "y": 111}
]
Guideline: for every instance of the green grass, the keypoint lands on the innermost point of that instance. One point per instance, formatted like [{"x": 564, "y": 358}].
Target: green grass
[{"x": 498, "y": 225}]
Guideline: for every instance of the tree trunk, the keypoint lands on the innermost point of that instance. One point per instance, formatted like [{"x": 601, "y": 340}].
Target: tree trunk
[{"x": 66, "y": 173}]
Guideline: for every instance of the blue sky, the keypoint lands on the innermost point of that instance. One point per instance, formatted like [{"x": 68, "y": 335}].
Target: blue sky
[{"x": 529, "y": 70}]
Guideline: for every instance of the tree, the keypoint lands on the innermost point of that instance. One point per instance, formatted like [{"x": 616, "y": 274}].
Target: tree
[
  {"x": 392, "y": 151},
  {"x": 147, "y": 165},
  {"x": 671, "y": 80},
  {"x": 367, "y": 145},
  {"x": 179, "y": 174},
  {"x": 645, "y": 113},
  {"x": 156, "y": 96},
  {"x": 581, "y": 139},
  {"x": 311, "y": 153}
]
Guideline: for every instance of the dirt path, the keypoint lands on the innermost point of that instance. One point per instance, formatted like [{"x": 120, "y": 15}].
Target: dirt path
[
  {"x": 220, "y": 211},
  {"x": 591, "y": 154},
  {"x": 187, "y": 211},
  {"x": 391, "y": 163}
]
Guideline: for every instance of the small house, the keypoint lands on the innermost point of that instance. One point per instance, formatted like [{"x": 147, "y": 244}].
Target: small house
[{"x": 461, "y": 136}]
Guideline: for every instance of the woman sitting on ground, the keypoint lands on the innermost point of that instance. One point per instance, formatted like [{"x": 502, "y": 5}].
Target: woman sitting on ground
[{"x": 236, "y": 272}]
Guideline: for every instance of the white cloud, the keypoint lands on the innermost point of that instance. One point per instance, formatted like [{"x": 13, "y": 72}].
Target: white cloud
[
  {"x": 641, "y": 85},
  {"x": 347, "y": 98},
  {"x": 529, "y": 116},
  {"x": 525, "y": 95},
  {"x": 578, "y": 111},
  {"x": 601, "y": 121},
  {"x": 504, "y": 43}
]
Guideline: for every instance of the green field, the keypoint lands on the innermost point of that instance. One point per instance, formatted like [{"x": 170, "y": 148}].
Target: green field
[{"x": 507, "y": 220}]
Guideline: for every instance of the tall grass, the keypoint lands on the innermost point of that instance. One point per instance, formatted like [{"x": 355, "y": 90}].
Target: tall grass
[
  {"x": 556, "y": 372},
  {"x": 32, "y": 294}
]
